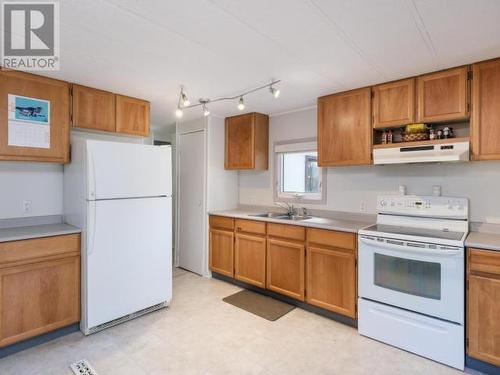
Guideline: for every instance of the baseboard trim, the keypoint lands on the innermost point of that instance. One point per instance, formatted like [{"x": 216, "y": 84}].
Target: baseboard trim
[
  {"x": 303, "y": 305},
  {"x": 34, "y": 341},
  {"x": 481, "y": 366}
]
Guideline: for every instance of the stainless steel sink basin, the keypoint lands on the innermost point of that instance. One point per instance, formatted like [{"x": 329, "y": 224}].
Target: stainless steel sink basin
[
  {"x": 293, "y": 217},
  {"x": 267, "y": 214},
  {"x": 275, "y": 215}
]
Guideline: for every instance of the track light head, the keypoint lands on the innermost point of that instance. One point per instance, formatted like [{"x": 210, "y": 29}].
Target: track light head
[
  {"x": 184, "y": 99},
  {"x": 206, "y": 112},
  {"x": 241, "y": 104},
  {"x": 274, "y": 91}
]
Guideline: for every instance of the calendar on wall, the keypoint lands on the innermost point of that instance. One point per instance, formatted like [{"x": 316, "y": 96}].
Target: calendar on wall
[{"x": 28, "y": 122}]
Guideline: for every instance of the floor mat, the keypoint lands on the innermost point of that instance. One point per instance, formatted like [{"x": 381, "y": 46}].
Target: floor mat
[{"x": 263, "y": 306}]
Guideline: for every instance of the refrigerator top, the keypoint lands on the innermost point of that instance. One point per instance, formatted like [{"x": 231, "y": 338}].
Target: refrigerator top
[{"x": 127, "y": 170}]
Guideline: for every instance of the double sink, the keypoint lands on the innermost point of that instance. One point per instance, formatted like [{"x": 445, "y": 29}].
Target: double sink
[{"x": 274, "y": 215}]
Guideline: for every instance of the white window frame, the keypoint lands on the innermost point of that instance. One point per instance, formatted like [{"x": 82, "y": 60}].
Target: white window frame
[{"x": 298, "y": 145}]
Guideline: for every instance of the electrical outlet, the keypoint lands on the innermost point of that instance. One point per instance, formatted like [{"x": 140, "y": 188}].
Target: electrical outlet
[
  {"x": 362, "y": 206},
  {"x": 26, "y": 206}
]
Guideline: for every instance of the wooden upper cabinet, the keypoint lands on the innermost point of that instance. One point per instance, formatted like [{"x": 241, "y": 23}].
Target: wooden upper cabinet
[
  {"x": 247, "y": 142},
  {"x": 132, "y": 116},
  {"x": 394, "y": 103},
  {"x": 37, "y": 87},
  {"x": 93, "y": 109},
  {"x": 485, "y": 125},
  {"x": 443, "y": 96},
  {"x": 344, "y": 128}
]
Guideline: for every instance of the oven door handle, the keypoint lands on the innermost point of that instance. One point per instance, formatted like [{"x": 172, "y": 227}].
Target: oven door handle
[{"x": 385, "y": 245}]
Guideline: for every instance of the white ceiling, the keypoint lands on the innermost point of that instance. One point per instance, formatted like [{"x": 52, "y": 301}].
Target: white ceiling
[{"x": 147, "y": 48}]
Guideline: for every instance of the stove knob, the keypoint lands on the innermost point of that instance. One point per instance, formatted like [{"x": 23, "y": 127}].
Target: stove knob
[{"x": 383, "y": 203}]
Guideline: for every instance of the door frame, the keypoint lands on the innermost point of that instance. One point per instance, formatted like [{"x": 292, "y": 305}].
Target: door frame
[{"x": 180, "y": 131}]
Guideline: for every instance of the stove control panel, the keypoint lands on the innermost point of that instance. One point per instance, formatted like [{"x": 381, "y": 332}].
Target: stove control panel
[{"x": 430, "y": 206}]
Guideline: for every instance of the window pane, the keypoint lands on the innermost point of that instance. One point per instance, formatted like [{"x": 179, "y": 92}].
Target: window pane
[{"x": 300, "y": 172}]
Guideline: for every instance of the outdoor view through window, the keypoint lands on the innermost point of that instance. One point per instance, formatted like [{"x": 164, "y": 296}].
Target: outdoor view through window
[{"x": 300, "y": 175}]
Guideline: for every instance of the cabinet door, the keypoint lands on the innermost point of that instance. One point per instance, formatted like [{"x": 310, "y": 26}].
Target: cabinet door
[
  {"x": 483, "y": 325},
  {"x": 132, "y": 116},
  {"x": 285, "y": 268},
  {"x": 36, "y": 87},
  {"x": 443, "y": 96},
  {"x": 331, "y": 279},
  {"x": 394, "y": 103},
  {"x": 93, "y": 109},
  {"x": 485, "y": 126},
  {"x": 240, "y": 142},
  {"x": 222, "y": 252},
  {"x": 344, "y": 128},
  {"x": 250, "y": 259},
  {"x": 38, "y": 298}
]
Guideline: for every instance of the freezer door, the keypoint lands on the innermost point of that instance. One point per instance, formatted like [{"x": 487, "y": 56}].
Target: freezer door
[
  {"x": 125, "y": 170},
  {"x": 128, "y": 257}
]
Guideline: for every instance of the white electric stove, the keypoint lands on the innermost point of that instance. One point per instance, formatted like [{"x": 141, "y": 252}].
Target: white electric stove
[{"x": 411, "y": 276}]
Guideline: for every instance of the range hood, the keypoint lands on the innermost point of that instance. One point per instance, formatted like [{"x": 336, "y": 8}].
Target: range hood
[{"x": 428, "y": 153}]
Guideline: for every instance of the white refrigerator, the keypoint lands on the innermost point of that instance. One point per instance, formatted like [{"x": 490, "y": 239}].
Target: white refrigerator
[{"x": 120, "y": 194}]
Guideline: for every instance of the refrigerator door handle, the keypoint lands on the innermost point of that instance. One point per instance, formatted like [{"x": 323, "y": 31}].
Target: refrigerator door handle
[
  {"x": 91, "y": 174},
  {"x": 91, "y": 226}
]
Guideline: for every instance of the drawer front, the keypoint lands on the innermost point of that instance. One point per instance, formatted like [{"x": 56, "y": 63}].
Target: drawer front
[
  {"x": 291, "y": 232},
  {"x": 250, "y": 226},
  {"x": 27, "y": 251},
  {"x": 487, "y": 261},
  {"x": 331, "y": 238},
  {"x": 221, "y": 222}
]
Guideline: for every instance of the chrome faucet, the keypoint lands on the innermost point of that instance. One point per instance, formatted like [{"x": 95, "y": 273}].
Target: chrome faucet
[{"x": 290, "y": 210}]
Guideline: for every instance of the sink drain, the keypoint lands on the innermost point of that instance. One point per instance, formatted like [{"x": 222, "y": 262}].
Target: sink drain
[{"x": 83, "y": 367}]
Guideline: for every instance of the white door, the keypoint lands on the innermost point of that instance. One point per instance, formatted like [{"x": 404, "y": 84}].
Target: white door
[
  {"x": 191, "y": 207},
  {"x": 128, "y": 262},
  {"x": 124, "y": 170}
]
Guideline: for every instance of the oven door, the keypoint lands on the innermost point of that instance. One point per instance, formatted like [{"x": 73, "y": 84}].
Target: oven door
[{"x": 423, "y": 280}]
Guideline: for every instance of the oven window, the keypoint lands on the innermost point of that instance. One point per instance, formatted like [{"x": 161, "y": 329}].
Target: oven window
[{"x": 409, "y": 276}]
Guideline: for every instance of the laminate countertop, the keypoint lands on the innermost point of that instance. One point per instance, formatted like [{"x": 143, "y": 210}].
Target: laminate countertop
[
  {"x": 339, "y": 224},
  {"x": 482, "y": 240},
  {"x": 36, "y": 231}
]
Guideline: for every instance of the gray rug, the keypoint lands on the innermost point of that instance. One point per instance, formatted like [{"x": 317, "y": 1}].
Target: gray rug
[{"x": 263, "y": 306}]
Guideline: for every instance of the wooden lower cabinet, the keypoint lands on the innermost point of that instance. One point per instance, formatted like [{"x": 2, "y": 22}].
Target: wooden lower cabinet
[
  {"x": 39, "y": 293},
  {"x": 250, "y": 259},
  {"x": 222, "y": 251},
  {"x": 483, "y": 306},
  {"x": 286, "y": 268},
  {"x": 331, "y": 279}
]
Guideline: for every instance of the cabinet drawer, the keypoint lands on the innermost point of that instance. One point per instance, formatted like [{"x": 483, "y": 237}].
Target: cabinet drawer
[
  {"x": 286, "y": 231},
  {"x": 32, "y": 250},
  {"x": 332, "y": 238},
  {"x": 221, "y": 222},
  {"x": 487, "y": 261},
  {"x": 250, "y": 226}
]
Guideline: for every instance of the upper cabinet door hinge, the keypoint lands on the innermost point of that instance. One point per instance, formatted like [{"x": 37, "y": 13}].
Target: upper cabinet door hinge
[
  {"x": 470, "y": 75},
  {"x": 467, "y": 342}
]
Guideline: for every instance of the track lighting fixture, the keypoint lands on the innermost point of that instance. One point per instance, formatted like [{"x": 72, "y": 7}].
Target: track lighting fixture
[
  {"x": 206, "y": 112},
  {"x": 274, "y": 91},
  {"x": 184, "y": 99},
  {"x": 241, "y": 104},
  {"x": 184, "y": 103}
]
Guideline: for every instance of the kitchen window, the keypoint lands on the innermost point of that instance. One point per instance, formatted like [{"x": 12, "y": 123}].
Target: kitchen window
[{"x": 297, "y": 175}]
